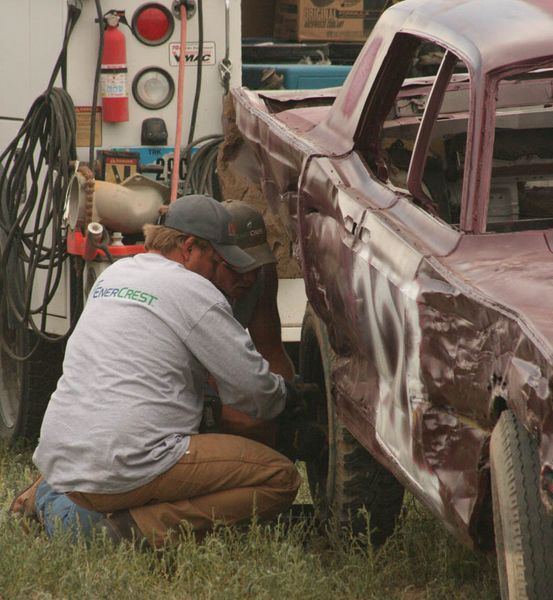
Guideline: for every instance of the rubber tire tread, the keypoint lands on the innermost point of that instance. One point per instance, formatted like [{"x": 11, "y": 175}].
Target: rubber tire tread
[
  {"x": 359, "y": 481},
  {"x": 38, "y": 377},
  {"x": 523, "y": 529}
]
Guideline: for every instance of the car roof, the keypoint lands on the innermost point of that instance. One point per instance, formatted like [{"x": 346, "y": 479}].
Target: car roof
[{"x": 488, "y": 33}]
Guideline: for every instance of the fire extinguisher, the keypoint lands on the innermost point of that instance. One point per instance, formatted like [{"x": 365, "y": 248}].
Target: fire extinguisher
[{"x": 113, "y": 73}]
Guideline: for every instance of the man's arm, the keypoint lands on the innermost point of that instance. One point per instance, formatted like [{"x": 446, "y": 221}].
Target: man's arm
[
  {"x": 265, "y": 330},
  {"x": 243, "y": 378}
]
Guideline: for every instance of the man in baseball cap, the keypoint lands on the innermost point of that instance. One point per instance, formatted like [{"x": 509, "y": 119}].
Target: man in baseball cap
[
  {"x": 251, "y": 233},
  {"x": 206, "y": 218},
  {"x": 120, "y": 436}
]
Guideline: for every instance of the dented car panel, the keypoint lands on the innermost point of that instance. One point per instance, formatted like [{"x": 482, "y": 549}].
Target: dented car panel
[{"x": 437, "y": 323}]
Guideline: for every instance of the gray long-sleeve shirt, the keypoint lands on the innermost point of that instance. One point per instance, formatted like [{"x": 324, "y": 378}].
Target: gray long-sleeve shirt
[{"x": 131, "y": 392}]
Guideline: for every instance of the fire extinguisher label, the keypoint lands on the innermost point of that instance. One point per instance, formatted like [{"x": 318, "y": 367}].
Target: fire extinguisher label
[
  {"x": 113, "y": 85},
  {"x": 113, "y": 68}
]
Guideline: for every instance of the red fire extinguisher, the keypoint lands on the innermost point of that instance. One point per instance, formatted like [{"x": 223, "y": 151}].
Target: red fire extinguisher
[{"x": 113, "y": 74}]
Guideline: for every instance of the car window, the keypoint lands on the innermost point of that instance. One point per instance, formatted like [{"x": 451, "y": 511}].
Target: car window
[
  {"x": 521, "y": 188},
  {"x": 393, "y": 116}
]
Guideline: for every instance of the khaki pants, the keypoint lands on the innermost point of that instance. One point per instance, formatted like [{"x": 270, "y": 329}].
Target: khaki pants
[{"x": 223, "y": 478}]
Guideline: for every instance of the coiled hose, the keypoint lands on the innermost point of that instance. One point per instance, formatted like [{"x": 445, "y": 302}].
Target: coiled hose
[
  {"x": 201, "y": 166},
  {"x": 35, "y": 172}
]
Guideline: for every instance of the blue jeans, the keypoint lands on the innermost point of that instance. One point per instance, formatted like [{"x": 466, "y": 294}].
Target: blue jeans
[{"x": 59, "y": 513}]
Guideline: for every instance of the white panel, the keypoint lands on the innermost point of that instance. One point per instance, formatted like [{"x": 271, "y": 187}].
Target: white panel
[
  {"x": 46, "y": 27},
  {"x": 291, "y": 301},
  {"x": 8, "y": 130},
  {"x": 31, "y": 32},
  {"x": 58, "y": 310},
  {"x": 82, "y": 61}
]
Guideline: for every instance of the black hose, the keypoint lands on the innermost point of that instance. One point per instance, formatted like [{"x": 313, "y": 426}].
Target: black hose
[
  {"x": 100, "y": 18},
  {"x": 35, "y": 173},
  {"x": 73, "y": 14}
]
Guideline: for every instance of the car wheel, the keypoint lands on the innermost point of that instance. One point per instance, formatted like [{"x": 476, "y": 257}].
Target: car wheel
[
  {"x": 345, "y": 480},
  {"x": 523, "y": 529},
  {"x": 25, "y": 386}
]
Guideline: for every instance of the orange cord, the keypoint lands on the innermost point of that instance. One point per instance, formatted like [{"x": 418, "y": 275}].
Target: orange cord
[{"x": 180, "y": 105}]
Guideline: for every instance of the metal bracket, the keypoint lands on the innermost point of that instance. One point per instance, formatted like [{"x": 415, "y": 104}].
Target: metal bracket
[
  {"x": 190, "y": 8},
  {"x": 225, "y": 69},
  {"x": 114, "y": 17},
  {"x": 225, "y": 66}
]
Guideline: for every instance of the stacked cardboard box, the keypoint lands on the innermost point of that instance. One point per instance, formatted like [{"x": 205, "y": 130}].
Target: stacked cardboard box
[{"x": 330, "y": 20}]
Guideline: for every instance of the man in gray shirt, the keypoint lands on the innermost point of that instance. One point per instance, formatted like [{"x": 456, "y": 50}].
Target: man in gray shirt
[{"x": 120, "y": 434}]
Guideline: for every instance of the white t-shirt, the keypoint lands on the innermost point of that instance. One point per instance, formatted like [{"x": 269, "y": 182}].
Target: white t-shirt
[{"x": 132, "y": 386}]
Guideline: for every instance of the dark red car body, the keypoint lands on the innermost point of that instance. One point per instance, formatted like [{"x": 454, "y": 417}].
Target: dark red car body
[{"x": 436, "y": 326}]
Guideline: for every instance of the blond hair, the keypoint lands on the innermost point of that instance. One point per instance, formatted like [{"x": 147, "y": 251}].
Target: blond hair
[{"x": 165, "y": 239}]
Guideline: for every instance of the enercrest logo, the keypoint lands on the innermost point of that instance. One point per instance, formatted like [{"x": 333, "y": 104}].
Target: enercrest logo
[{"x": 123, "y": 293}]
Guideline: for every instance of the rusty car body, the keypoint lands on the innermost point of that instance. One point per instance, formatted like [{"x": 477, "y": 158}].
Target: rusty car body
[{"x": 422, "y": 215}]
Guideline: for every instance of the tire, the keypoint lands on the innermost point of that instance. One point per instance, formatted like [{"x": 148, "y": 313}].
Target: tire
[
  {"x": 26, "y": 386},
  {"x": 345, "y": 480},
  {"x": 523, "y": 529}
]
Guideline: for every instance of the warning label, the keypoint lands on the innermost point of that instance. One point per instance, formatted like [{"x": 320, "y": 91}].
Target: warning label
[
  {"x": 191, "y": 54},
  {"x": 82, "y": 117},
  {"x": 117, "y": 170},
  {"x": 113, "y": 85},
  {"x": 118, "y": 166}
]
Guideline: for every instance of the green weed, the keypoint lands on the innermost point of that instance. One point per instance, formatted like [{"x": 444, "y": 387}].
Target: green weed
[{"x": 285, "y": 561}]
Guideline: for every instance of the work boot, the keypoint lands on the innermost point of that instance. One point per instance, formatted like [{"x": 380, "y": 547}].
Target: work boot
[
  {"x": 23, "y": 506},
  {"x": 120, "y": 526}
]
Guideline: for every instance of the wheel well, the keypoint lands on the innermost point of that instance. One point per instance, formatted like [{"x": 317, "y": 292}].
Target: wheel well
[
  {"x": 347, "y": 480},
  {"x": 498, "y": 405},
  {"x": 310, "y": 359},
  {"x": 483, "y": 530},
  {"x": 312, "y": 371}
]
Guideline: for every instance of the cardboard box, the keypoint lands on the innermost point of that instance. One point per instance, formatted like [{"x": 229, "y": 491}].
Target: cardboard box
[{"x": 326, "y": 20}]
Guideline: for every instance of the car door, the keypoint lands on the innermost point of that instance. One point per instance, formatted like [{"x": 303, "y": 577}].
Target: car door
[{"x": 369, "y": 220}]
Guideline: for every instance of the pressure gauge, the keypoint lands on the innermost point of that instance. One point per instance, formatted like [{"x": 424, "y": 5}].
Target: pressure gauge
[
  {"x": 153, "y": 88},
  {"x": 152, "y": 24}
]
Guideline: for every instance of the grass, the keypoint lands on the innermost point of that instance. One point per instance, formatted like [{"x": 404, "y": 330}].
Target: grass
[{"x": 420, "y": 562}]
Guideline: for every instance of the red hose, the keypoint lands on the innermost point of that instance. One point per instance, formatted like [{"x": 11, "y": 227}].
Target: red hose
[{"x": 180, "y": 105}]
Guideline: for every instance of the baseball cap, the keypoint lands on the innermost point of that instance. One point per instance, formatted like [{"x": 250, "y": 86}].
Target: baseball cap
[
  {"x": 251, "y": 233},
  {"x": 206, "y": 218}
]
